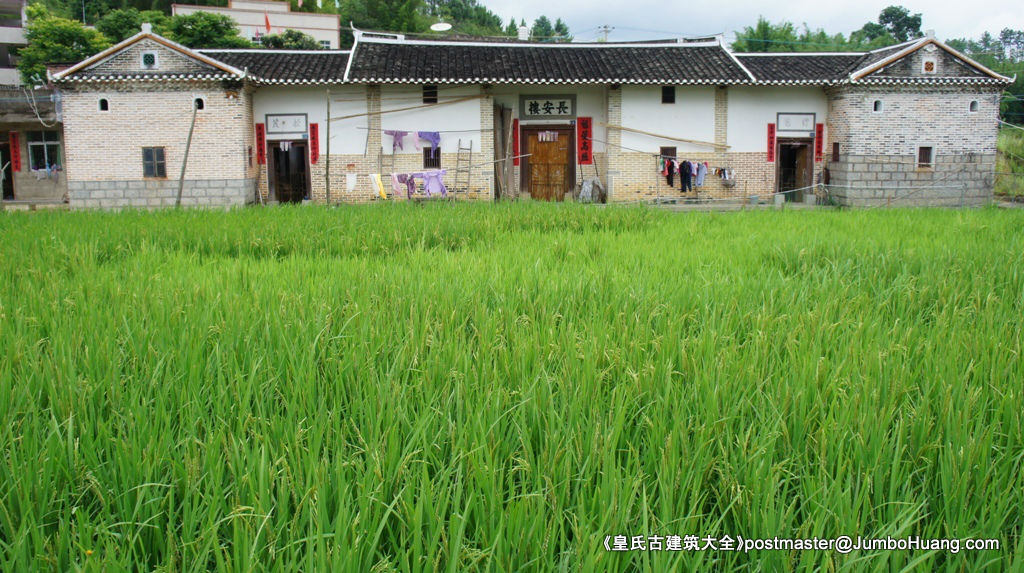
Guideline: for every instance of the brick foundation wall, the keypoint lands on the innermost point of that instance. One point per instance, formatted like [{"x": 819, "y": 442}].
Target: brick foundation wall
[{"x": 160, "y": 193}]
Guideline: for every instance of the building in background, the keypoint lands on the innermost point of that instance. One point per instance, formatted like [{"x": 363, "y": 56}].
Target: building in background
[
  {"x": 911, "y": 124},
  {"x": 12, "y": 36},
  {"x": 257, "y": 18}
]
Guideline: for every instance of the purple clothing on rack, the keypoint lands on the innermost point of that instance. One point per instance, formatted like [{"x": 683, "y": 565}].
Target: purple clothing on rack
[
  {"x": 433, "y": 182},
  {"x": 409, "y": 181},
  {"x": 434, "y": 137},
  {"x": 398, "y": 136}
]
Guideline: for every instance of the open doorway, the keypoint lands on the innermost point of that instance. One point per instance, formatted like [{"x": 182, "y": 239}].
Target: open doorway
[
  {"x": 289, "y": 170},
  {"x": 795, "y": 168},
  {"x": 7, "y": 175}
]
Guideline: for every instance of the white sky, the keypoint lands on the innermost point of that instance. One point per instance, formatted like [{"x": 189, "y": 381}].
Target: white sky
[{"x": 653, "y": 19}]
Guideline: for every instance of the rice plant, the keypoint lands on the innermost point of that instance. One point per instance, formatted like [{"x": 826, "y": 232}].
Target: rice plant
[{"x": 500, "y": 387}]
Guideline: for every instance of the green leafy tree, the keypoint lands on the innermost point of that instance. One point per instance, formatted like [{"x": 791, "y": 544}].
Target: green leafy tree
[
  {"x": 206, "y": 30},
  {"x": 766, "y": 37},
  {"x": 51, "y": 40},
  {"x": 290, "y": 40},
  {"x": 542, "y": 29},
  {"x": 561, "y": 31},
  {"x": 900, "y": 23},
  {"x": 512, "y": 29},
  {"x": 118, "y": 25}
]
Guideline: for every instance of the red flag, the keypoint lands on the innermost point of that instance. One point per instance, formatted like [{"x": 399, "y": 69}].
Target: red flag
[{"x": 266, "y": 19}]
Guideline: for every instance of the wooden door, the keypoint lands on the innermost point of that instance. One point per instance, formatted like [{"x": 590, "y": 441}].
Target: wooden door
[{"x": 548, "y": 173}]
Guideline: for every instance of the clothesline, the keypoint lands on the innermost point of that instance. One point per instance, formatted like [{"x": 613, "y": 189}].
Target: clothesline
[
  {"x": 440, "y": 131},
  {"x": 660, "y": 136},
  {"x": 1010, "y": 124},
  {"x": 452, "y": 170},
  {"x": 382, "y": 112}
]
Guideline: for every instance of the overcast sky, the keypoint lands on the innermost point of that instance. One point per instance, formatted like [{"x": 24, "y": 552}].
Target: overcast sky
[{"x": 652, "y": 19}]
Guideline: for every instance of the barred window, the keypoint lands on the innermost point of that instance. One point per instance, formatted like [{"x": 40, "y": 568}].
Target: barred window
[
  {"x": 431, "y": 159},
  {"x": 430, "y": 94}
]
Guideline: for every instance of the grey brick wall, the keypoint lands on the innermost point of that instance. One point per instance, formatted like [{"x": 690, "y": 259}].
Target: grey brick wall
[
  {"x": 161, "y": 193},
  {"x": 878, "y": 150}
]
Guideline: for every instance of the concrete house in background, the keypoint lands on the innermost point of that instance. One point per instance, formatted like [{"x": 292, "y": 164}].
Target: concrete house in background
[
  {"x": 257, "y": 18},
  {"x": 12, "y": 37},
  {"x": 31, "y": 157},
  {"x": 915, "y": 121}
]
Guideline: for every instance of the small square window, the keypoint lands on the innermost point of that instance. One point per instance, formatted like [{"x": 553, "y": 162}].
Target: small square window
[
  {"x": 973, "y": 108},
  {"x": 325, "y": 44},
  {"x": 153, "y": 164},
  {"x": 928, "y": 66},
  {"x": 878, "y": 106},
  {"x": 668, "y": 94},
  {"x": 429, "y": 94},
  {"x": 104, "y": 104},
  {"x": 925, "y": 157},
  {"x": 835, "y": 151},
  {"x": 149, "y": 60},
  {"x": 431, "y": 158},
  {"x": 668, "y": 152}
]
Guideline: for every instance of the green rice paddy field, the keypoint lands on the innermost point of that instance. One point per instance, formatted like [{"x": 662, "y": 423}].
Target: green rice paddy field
[{"x": 499, "y": 387}]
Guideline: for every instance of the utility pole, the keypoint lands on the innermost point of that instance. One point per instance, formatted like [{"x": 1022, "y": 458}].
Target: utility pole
[{"x": 604, "y": 31}]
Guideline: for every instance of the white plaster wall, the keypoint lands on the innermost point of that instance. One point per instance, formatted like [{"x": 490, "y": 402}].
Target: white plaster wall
[
  {"x": 590, "y": 102},
  {"x": 346, "y": 137},
  {"x": 460, "y": 120},
  {"x": 692, "y": 116},
  {"x": 751, "y": 109}
]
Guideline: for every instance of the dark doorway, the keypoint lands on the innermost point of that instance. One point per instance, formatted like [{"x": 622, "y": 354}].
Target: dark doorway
[
  {"x": 289, "y": 170},
  {"x": 8, "y": 171},
  {"x": 795, "y": 168},
  {"x": 548, "y": 171}
]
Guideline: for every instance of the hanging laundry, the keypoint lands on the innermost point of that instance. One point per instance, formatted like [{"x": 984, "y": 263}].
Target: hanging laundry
[
  {"x": 685, "y": 177},
  {"x": 410, "y": 183},
  {"x": 396, "y": 186},
  {"x": 702, "y": 171},
  {"x": 398, "y": 138},
  {"x": 664, "y": 166},
  {"x": 351, "y": 179},
  {"x": 376, "y": 180},
  {"x": 433, "y": 182},
  {"x": 434, "y": 138},
  {"x": 670, "y": 175}
]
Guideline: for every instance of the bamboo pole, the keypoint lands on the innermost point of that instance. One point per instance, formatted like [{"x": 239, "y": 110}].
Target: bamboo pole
[
  {"x": 327, "y": 159},
  {"x": 184, "y": 160},
  {"x": 668, "y": 137}
]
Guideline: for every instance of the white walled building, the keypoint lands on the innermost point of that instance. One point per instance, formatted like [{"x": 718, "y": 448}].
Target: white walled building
[
  {"x": 257, "y": 18},
  {"x": 519, "y": 119}
]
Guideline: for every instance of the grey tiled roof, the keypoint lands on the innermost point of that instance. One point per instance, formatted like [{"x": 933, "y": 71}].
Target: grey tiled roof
[
  {"x": 794, "y": 68},
  {"x": 452, "y": 62},
  {"x": 286, "y": 66}
]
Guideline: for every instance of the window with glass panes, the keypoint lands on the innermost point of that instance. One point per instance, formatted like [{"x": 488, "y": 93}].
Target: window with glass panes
[
  {"x": 43, "y": 150},
  {"x": 153, "y": 162}
]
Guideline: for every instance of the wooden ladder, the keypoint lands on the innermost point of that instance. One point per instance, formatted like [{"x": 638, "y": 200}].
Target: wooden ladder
[{"x": 463, "y": 168}]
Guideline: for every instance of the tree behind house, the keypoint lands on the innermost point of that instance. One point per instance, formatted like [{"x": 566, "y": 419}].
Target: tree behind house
[{"x": 53, "y": 40}]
